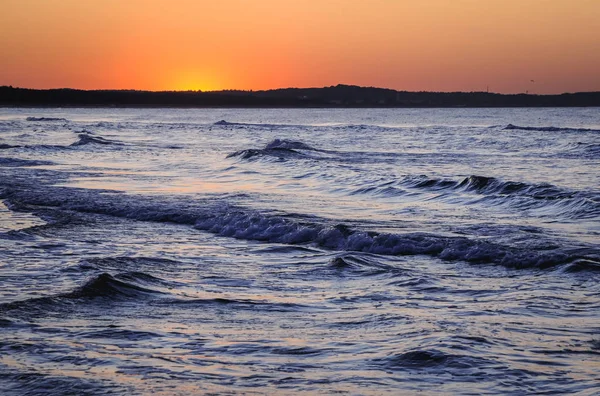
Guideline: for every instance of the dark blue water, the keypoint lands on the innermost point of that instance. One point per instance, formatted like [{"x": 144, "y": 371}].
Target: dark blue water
[{"x": 366, "y": 251}]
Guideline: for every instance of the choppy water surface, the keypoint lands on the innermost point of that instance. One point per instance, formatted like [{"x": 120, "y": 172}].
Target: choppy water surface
[{"x": 365, "y": 251}]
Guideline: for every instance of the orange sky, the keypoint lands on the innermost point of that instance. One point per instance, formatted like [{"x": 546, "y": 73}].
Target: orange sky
[{"x": 432, "y": 45}]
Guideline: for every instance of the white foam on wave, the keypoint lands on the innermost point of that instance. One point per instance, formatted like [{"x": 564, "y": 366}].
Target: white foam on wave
[{"x": 230, "y": 221}]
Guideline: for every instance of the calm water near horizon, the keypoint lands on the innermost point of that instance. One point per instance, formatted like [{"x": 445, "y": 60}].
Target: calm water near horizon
[{"x": 314, "y": 251}]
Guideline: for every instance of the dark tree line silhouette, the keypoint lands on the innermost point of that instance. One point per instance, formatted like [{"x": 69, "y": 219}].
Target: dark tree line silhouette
[{"x": 334, "y": 96}]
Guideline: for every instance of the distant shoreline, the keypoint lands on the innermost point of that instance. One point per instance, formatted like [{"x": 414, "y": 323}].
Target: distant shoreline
[
  {"x": 340, "y": 96},
  {"x": 2, "y": 106}
]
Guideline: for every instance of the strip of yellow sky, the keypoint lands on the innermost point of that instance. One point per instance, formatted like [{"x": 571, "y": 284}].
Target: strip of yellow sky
[{"x": 439, "y": 45}]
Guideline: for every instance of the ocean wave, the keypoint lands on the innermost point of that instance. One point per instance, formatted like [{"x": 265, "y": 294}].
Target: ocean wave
[
  {"x": 16, "y": 162},
  {"x": 582, "y": 265},
  {"x": 431, "y": 359},
  {"x": 351, "y": 264},
  {"x": 338, "y": 126},
  {"x": 126, "y": 263},
  {"x": 382, "y": 190},
  {"x": 224, "y": 123},
  {"x": 4, "y": 146},
  {"x": 543, "y": 199},
  {"x": 559, "y": 201},
  {"x": 549, "y": 129},
  {"x": 46, "y": 119},
  {"x": 29, "y": 382},
  {"x": 121, "y": 285},
  {"x": 105, "y": 286},
  {"x": 288, "y": 144},
  {"x": 491, "y": 185},
  {"x": 278, "y": 148},
  {"x": 239, "y": 303},
  {"x": 299, "y": 351},
  {"x": 229, "y": 221},
  {"x": 280, "y": 154},
  {"x": 584, "y": 150},
  {"x": 253, "y": 226},
  {"x": 86, "y": 138},
  {"x": 120, "y": 334}
]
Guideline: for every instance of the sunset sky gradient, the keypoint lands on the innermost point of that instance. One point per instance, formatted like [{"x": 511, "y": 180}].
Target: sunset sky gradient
[{"x": 429, "y": 45}]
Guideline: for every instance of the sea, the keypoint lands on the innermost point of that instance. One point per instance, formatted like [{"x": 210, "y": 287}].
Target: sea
[{"x": 165, "y": 251}]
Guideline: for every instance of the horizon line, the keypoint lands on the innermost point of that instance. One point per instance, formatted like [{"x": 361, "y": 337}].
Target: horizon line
[{"x": 286, "y": 88}]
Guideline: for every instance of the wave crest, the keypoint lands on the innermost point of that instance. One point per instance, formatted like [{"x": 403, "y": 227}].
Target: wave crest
[
  {"x": 278, "y": 148},
  {"x": 44, "y": 119},
  {"x": 548, "y": 129},
  {"x": 224, "y": 123},
  {"x": 240, "y": 223},
  {"x": 544, "y": 197},
  {"x": 104, "y": 286},
  {"x": 86, "y": 138},
  {"x": 288, "y": 144}
]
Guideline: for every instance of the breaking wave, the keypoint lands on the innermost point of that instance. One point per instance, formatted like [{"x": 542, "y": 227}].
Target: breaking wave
[
  {"x": 230, "y": 221},
  {"x": 254, "y": 226}
]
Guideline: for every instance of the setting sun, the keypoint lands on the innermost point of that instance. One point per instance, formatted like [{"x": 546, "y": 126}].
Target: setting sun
[
  {"x": 435, "y": 45},
  {"x": 191, "y": 80}
]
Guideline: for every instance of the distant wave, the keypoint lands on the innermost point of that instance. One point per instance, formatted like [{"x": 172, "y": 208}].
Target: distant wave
[
  {"x": 46, "y": 119},
  {"x": 278, "y": 148},
  {"x": 549, "y": 128},
  {"x": 334, "y": 126},
  {"x": 341, "y": 126},
  {"x": 86, "y": 138},
  {"x": 288, "y": 144},
  {"x": 280, "y": 154},
  {"x": 252, "y": 225},
  {"x": 254, "y": 125}
]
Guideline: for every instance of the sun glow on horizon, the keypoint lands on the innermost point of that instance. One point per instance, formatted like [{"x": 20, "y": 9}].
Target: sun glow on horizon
[
  {"x": 192, "y": 80},
  {"x": 435, "y": 45}
]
